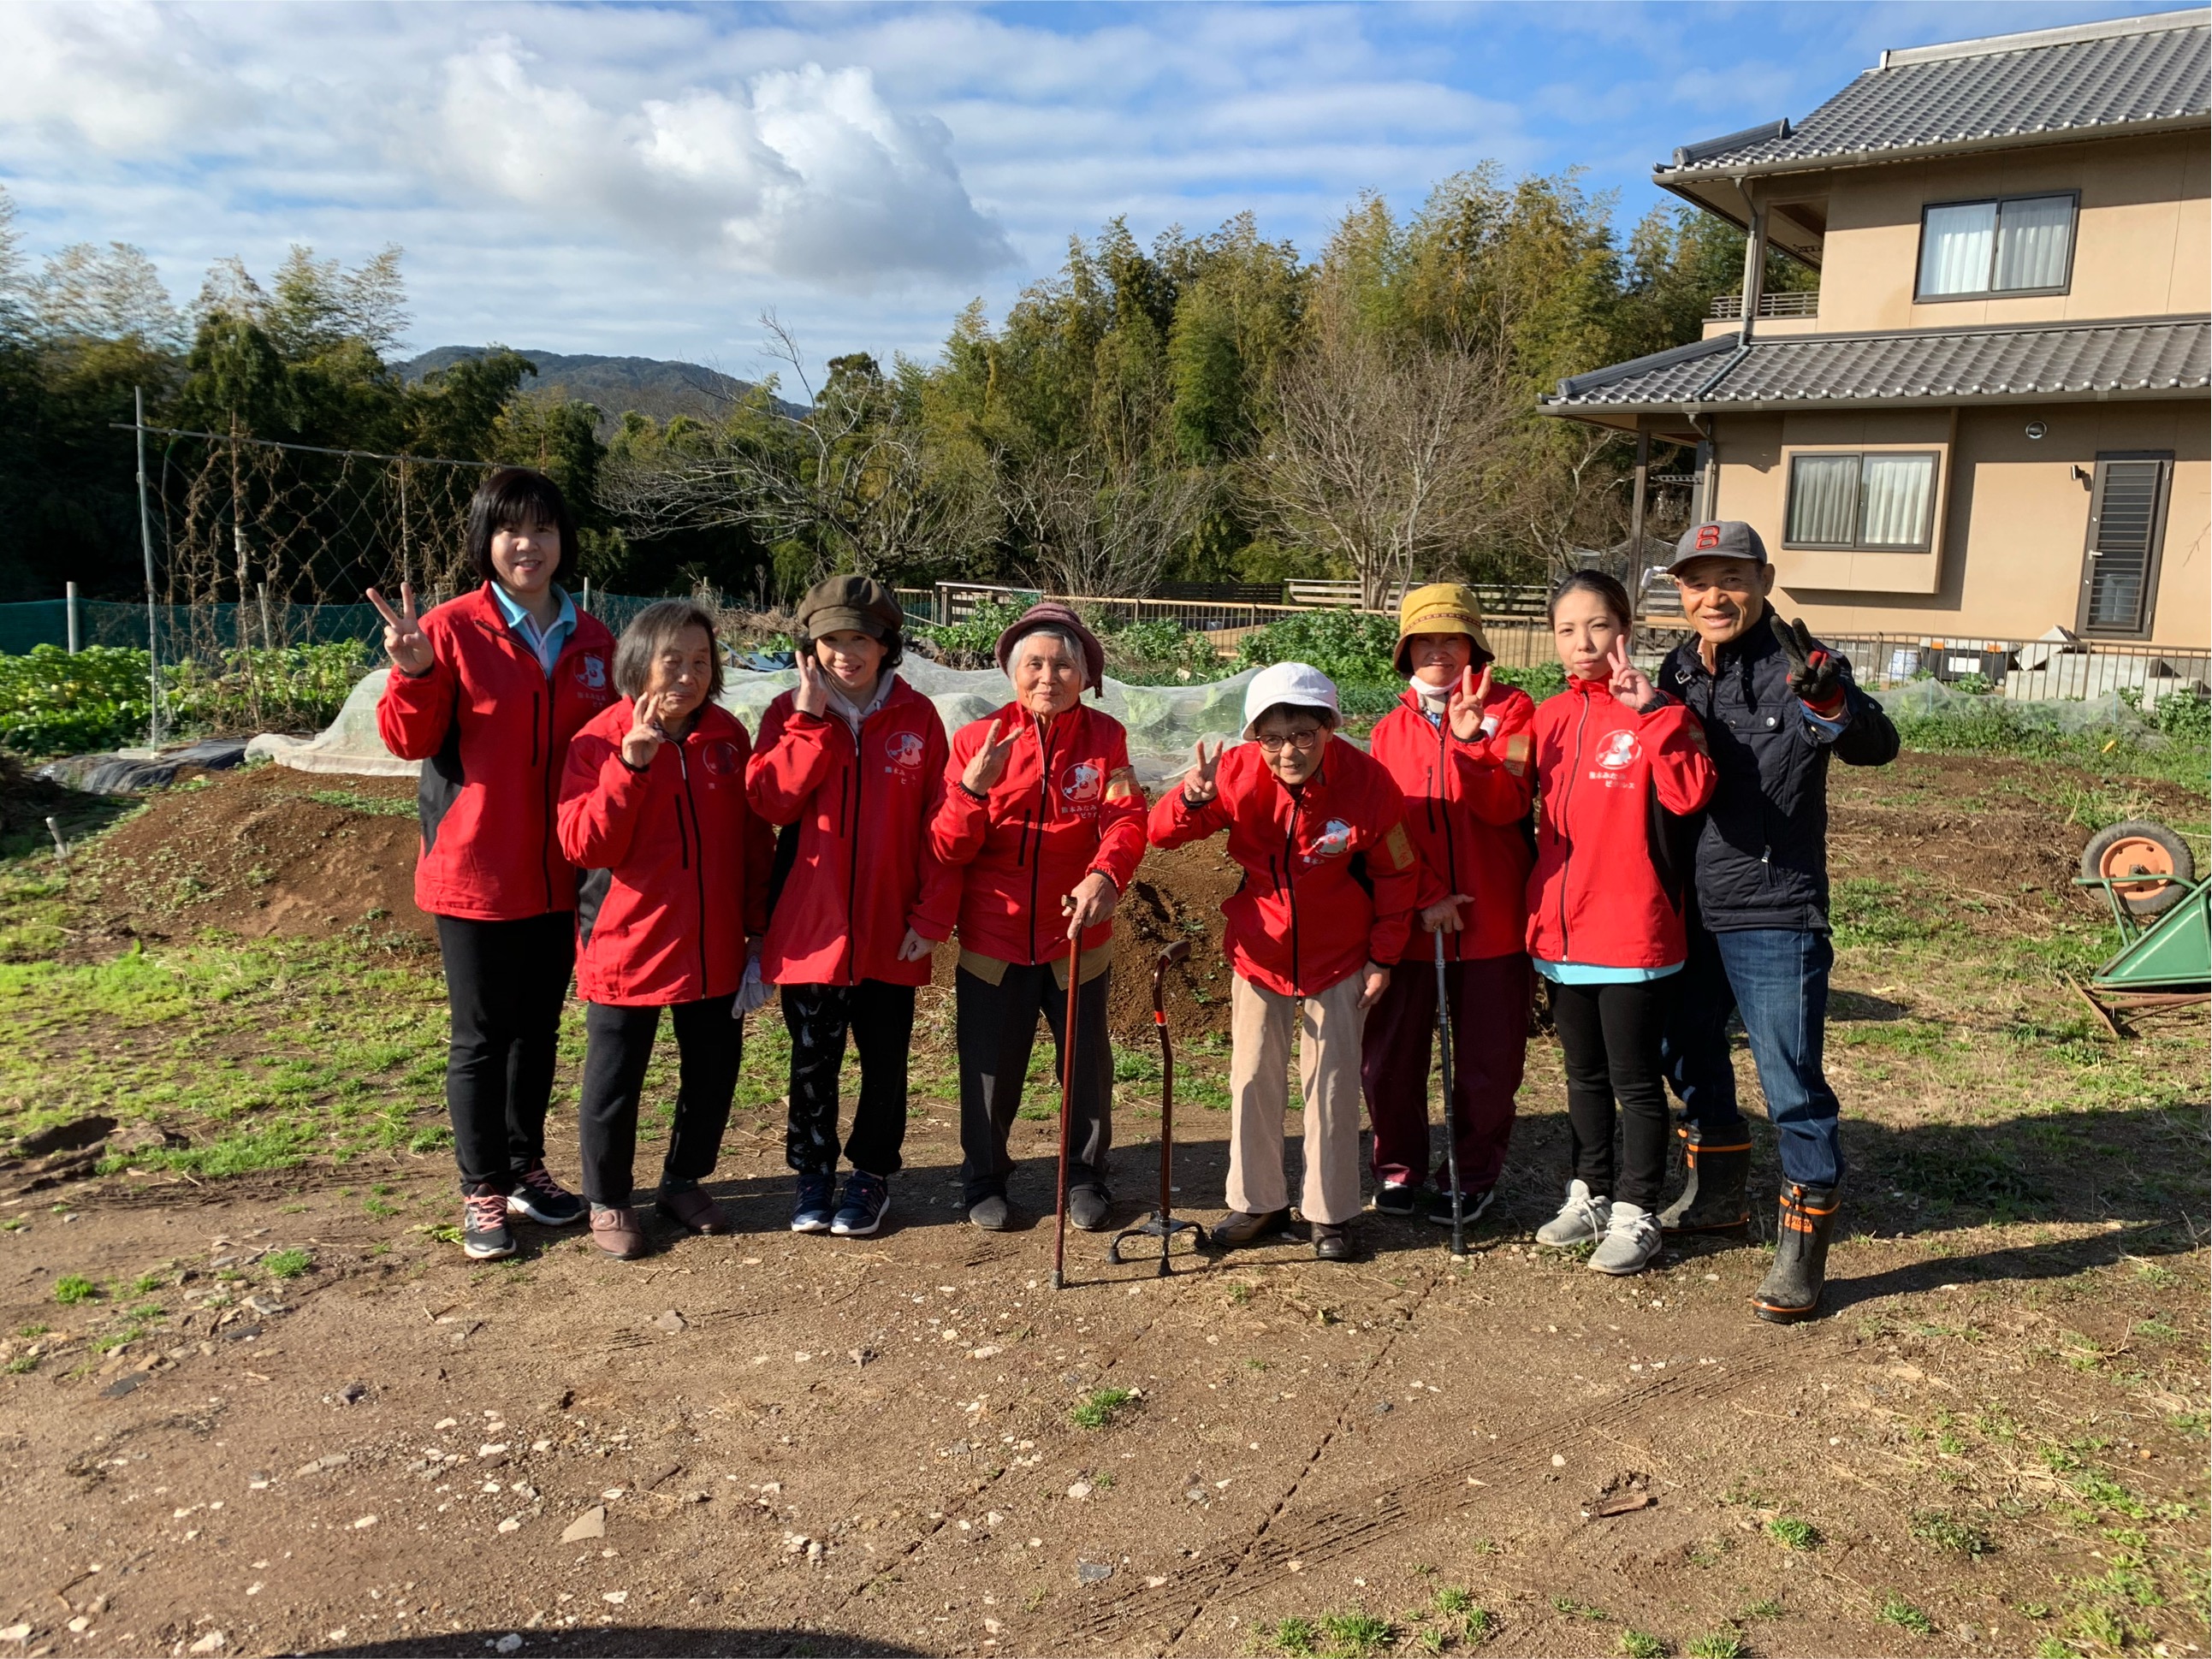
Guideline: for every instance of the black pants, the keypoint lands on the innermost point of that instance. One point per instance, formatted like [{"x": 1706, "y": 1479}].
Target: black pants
[
  {"x": 708, "y": 1046},
  {"x": 505, "y": 983},
  {"x": 880, "y": 1019},
  {"x": 1609, "y": 1036},
  {"x": 997, "y": 1028}
]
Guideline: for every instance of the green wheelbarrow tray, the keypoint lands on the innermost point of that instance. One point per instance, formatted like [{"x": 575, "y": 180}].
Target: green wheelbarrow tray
[{"x": 2164, "y": 963}]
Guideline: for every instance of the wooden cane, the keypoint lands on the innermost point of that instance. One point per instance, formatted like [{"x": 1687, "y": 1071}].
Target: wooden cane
[{"x": 1066, "y": 1109}]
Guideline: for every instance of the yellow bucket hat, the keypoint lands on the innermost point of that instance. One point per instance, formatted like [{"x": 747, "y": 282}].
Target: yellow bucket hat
[{"x": 1441, "y": 608}]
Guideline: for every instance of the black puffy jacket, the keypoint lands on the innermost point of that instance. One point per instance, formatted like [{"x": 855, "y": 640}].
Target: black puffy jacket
[{"x": 1762, "y": 854}]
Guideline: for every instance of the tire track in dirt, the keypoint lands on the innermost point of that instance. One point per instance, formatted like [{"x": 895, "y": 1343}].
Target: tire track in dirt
[{"x": 1375, "y": 1514}]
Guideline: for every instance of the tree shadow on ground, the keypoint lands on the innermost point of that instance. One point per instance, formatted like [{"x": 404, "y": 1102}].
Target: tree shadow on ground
[{"x": 624, "y": 1640}]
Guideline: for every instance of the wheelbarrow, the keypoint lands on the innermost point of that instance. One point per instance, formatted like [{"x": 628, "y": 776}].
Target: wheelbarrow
[{"x": 2164, "y": 914}]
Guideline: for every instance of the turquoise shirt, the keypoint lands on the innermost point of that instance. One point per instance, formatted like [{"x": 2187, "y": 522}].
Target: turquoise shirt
[
  {"x": 545, "y": 646},
  {"x": 1593, "y": 973}
]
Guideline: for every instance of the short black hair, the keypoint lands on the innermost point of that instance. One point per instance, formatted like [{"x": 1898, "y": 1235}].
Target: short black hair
[
  {"x": 517, "y": 495},
  {"x": 894, "y": 645},
  {"x": 650, "y": 632},
  {"x": 1607, "y": 588}
]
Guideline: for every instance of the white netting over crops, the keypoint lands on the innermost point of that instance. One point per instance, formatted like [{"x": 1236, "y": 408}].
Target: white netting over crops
[{"x": 1164, "y": 720}]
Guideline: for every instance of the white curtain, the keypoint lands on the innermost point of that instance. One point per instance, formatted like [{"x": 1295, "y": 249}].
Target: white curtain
[
  {"x": 1955, "y": 247},
  {"x": 1898, "y": 491},
  {"x": 2031, "y": 242},
  {"x": 1824, "y": 494}
]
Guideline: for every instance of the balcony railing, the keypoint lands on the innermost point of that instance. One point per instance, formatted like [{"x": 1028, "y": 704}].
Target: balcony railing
[{"x": 1792, "y": 303}]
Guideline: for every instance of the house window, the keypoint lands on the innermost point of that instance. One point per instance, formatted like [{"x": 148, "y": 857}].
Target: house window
[
  {"x": 2021, "y": 245},
  {"x": 2126, "y": 524},
  {"x": 1882, "y": 500}
]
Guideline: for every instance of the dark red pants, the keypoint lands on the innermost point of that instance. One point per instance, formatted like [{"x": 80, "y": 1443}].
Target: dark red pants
[{"x": 1489, "y": 1004}]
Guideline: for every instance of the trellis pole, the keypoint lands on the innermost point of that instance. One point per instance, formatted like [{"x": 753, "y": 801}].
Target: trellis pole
[{"x": 146, "y": 542}]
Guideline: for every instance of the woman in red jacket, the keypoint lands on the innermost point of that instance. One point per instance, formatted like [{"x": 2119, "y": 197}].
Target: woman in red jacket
[
  {"x": 1044, "y": 817},
  {"x": 1330, "y": 884},
  {"x": 486, "y": 692},
  {"x": 1617, "y": 762},
  {"x": 1458, "y": 746},
  {"x": 653, "y": 808},
  {"x": 852, "y": 764}
]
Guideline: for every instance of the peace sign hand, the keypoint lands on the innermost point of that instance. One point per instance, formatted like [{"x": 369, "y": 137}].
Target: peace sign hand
[
  {"x": 1629, "y": 684},
  {"x": 1468, "y": 701},
  {"x": 404, "y": 640},
  {"x": 989, "y": 764},
  {"x": 812, "y": 694},
  {"x": 1199, "y": 786},
  {"x": 643, "y": 740}
]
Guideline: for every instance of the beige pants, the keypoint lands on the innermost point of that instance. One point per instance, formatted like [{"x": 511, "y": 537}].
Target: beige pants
[{"x": 1259, "y": 1085}]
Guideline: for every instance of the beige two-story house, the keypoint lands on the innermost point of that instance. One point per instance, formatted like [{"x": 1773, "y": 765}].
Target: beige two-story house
[{"x": 1992, "y": 418}]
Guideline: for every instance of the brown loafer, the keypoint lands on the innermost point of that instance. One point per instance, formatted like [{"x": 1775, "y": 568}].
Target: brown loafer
[
  {"x": 620, "y": 1234},
  {"x": 1331, "y": 1242},
  {"x": 690, "y": 1207},
  {"x": 1237, "y": 1228}
]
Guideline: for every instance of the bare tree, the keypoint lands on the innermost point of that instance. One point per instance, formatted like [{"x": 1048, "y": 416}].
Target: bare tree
[
  {"x": 1102, "y": 527},
  {"x": 1381, "y": 451},
  {"x": 857, "y": 476}
]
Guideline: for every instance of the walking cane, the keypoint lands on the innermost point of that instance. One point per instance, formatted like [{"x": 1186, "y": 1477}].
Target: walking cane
[
  {"x": 1451, "y": 1130},
  {"x": 1066, "y": 1111},
  {"x": 1162, "y": 1223}
]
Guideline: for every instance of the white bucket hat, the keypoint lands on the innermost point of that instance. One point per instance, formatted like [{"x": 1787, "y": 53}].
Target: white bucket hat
[{"x": 1300, "y": 684}]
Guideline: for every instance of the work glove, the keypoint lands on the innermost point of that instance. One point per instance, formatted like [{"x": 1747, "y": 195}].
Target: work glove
[
  {"x": 753, "y": 991},
  {"x": 1814, "y": 679}
]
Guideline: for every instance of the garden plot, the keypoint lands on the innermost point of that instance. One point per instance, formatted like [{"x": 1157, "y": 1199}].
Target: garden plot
[{"x": 254, "y": 1394}]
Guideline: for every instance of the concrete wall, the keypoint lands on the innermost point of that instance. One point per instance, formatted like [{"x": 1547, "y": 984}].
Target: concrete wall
[{"x": 2012, "y": 520}]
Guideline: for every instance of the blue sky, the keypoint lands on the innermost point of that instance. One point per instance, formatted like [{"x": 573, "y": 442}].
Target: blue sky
[{"x": 650, "y": 178}]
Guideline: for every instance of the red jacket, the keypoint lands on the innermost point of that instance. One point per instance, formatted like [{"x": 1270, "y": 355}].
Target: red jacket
[
  {"x": 862, "y": 873},
  {"x": 1331, "y": 878},
  {"x": 491, "y": 730},
  {"x": 1602, "y": 891},
  {"x": 1467, "y": 808},
  {"x": 677, "y": 863},
  {"x": 1068, "y": 804}
]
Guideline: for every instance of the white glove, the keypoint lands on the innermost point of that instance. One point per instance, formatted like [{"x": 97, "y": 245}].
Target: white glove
[{"x": 753, "y": 991}]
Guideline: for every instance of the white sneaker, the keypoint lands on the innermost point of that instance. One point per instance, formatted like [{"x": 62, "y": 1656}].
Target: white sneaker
[
  {"x": 1631, "y": 1239},
  {"x": 1580, "y": 1219}
]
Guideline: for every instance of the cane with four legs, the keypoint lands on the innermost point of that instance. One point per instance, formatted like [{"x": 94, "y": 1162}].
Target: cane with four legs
[{"x": 1451, "y": 1129}]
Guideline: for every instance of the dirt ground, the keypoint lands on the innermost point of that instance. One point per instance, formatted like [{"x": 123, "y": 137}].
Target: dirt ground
[{"x": 274, "y": 1410}]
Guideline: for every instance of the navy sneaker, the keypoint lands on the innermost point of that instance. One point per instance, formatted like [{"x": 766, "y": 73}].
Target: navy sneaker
[
  {"x": 545, "y": 1201},
  {"x": 867, "y": 1199},
  {"x": 1394, "y": 1198},
  {"x": 816, "y": 1205},
  {"x": 484, "y": 1236},
  {"x": 1470, "y": 1206}
]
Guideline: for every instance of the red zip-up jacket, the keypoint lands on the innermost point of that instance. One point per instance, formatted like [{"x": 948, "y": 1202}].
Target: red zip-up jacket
[
  {"x": 1068, "y": 804},
  {"x": 861, "y": 871},
  {"x": 492, "y": 730},
  {"x": 1601, "y": 893},
  {"x": 1467, "y": 808},
  {"x": 1331, "y": 878},
  {"x": 677, "y": 864}
]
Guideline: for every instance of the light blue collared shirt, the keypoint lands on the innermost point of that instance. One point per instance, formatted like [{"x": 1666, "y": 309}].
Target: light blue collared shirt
[
  {"x": 547, "y": 645},
  {"x": 1591, "y": 973}
]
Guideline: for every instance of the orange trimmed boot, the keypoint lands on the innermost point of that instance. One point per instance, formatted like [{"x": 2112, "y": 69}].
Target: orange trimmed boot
[
  {"x": 1791, "y": 1290},
  {"x": 1717, "y": 1170}
]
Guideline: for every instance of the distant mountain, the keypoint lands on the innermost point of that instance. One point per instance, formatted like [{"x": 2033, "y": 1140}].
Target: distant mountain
[{"x": 650, "y": 386}]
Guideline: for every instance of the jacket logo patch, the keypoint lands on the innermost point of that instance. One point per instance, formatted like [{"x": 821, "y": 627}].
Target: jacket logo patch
[
  {"x": 719, "y": 758},
  {"x": 1335, "y": 838},
  {"x": 1122, "y": 785},
  {"x": 1621, "y": 751},
  {"x": 1400, "y": 846},
  {"x": 1517, "y": 754},
  {"x": 1081, "y": 784},
  {"x": 591, "y": 672},
  {"x": 903, "y": 749}
]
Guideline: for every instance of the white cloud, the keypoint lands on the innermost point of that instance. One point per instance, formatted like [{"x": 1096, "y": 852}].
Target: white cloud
[
  {"x": 120, "y": 78},
  {"x": 806, "y": 173}
]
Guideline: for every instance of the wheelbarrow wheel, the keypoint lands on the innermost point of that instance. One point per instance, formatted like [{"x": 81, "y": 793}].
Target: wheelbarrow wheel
[{"x": 2141, "y": 848}]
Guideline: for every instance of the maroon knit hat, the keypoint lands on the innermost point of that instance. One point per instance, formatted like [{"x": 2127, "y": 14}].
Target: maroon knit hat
[{"x": 1046, "y": 614}]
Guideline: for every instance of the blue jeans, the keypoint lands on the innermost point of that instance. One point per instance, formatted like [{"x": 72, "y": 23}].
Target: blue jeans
[{"x": 1778, "y": 979}]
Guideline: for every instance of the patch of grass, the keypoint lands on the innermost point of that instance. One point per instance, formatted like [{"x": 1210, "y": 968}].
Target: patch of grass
[
  {"x": 71, "y": 1289},
  {"x": 1568, "y": 1608},
  {"x": 22, "y": 1363},
  {"x": 1100, "y": 1407},
  {"x": 1293, "y": 1638},
  {"x": 1640, "y": 1644},
  {"x": 1716, "y": 1644},
  {"x": 1356, "y": 1635},
  {"x": 1770, "y": 1608},
  {"x": 28, "y": 1332},
  {"x": 1793, "y": 1533},
  {"x": 381, "y": 806},
  {"x": 1453, "y": 1603},
  {"x": 288, "y": 1263},
  {"x": 1896, "y": 1610},
  {"x": 1946, "y": 1532}
]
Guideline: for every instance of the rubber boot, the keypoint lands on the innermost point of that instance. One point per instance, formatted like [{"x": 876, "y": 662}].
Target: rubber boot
[
  {"x": 1716, "y": 1171},
  {"x": 1791, "y": 1290}
]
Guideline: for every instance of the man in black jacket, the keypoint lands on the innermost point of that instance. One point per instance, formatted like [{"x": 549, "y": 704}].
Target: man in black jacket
[{"x": 1776, "y": 704}]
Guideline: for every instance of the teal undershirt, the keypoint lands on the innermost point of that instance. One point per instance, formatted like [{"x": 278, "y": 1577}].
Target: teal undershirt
[{"x": 1594, "y": 973}]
